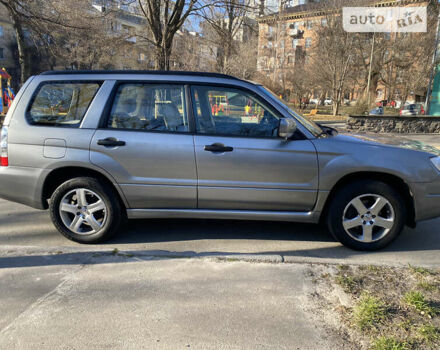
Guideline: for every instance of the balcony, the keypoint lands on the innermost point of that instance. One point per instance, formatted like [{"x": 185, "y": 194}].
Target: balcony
[{"x": 296, "y": 33}]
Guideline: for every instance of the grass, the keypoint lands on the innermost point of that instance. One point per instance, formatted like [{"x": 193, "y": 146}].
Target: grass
[
  {"x": 420, "y": 270},
  {"x": 393, "y": 308},
  {"x": 417, "y": 300},
  {"x": 347, "y": 283},
  {"x": 369, "y": 312},
  {"x": 115, "y": 251},
  {"x": 426, "y": 286},
  {"x": 389, "y": 343},
  {"x": 429, "y": 333}
]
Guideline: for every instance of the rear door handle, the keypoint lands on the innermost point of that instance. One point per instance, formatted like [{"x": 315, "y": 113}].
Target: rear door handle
[
  {"x": 111, "y": 142},
  {"x": 218, "y": 148}
]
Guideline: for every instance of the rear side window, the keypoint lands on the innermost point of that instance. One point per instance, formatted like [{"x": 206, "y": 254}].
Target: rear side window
[
  {"x": 149, "y": 107},
  {"x": 61, "y": 104}
]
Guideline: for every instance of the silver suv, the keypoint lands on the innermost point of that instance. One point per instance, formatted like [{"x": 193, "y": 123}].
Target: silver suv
[{"x": 97, "y": 147}]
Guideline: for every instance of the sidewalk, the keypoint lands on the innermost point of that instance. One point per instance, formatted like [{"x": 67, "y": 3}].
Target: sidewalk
[{"x": 122, "y": 302}]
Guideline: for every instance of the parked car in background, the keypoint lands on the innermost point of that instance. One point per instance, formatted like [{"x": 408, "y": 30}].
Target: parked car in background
[
  {"x": 328, "y": 101},
  {"x": 315, "y": 101},
  {"x": 98, "y": 147},
  {"x": 353, "y": 103},
  {"x": 412, "y": 109},
  {"x": 398, "y": 104},
  {"x": 376, "y": 111}
]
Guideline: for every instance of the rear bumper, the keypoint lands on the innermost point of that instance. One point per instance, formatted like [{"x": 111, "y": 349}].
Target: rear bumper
[
  {"x": 426, "y": 200},
  {"x": 23, "y": 185}
]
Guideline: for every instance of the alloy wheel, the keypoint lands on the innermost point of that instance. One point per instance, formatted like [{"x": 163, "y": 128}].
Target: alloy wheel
[
  {"x": 368, "y": 218},
  {"x": 83, "y": 211}
]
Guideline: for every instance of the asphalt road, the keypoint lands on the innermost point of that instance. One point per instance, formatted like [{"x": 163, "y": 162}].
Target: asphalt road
[{"x": 27, "y": 231}]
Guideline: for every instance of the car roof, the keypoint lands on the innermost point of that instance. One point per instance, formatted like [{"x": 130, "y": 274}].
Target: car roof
[
  {"x": 178, "y": 76},
  {"x": 140, "y": 72}
]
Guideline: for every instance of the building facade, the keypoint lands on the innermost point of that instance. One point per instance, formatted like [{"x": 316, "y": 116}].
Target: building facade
[{"x": 286, "y": 37}]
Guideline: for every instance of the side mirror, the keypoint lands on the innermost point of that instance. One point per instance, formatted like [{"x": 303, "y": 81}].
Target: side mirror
[{"x": 286, "y": 128}]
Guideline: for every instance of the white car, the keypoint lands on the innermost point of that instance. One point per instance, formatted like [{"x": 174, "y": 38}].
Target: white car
[
  {"x": 328, "y": 101},
  {"x": 315, "y": 101}
]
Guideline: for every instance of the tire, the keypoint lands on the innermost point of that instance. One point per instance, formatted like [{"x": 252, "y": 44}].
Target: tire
[
  {"x": 363, "y": 226},
  {"x": 94, "y": 218}
]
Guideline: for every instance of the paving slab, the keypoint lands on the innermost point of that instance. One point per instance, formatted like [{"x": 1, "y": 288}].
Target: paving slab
[{"x": 119, "y": 302}]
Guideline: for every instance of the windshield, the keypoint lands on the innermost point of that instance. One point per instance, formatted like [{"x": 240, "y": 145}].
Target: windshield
[{"x": 308, "y": 124}]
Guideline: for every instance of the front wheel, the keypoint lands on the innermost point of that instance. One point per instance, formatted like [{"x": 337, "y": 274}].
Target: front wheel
[
  {"x": 85, "y": 210},
  {"x": 366, "y": 215}
]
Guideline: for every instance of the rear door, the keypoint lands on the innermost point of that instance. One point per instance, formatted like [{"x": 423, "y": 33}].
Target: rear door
[
  {"x": 146, "y": 146},
  {"x": 241, "y": 162}
]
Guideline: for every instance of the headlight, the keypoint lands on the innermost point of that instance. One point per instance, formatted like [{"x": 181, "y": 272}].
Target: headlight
[{"x": 436, "y": 162}]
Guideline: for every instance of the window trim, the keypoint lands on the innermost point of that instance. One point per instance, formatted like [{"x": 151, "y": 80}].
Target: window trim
[
  {"x": 299, "y": 135},
  {"x": 29, "y": 118},
  {"x": 103, "y": 122}
]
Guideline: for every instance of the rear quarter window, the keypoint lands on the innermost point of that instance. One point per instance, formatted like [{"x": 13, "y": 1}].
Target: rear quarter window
[{"x": 61, "y": 103}]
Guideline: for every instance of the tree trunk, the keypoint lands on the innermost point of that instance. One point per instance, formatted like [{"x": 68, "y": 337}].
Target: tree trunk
[
  {"x": 163, "y": 55},
  {"x": 23, "y": 58}
]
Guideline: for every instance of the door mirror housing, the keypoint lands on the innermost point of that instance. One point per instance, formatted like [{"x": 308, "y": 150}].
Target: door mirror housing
[{"x": 287, "y": 128}]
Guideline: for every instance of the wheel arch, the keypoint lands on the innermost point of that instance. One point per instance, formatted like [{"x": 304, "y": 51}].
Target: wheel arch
[
  {"x": 392, "y": 180},
  {"x": 60, "y": 175}
]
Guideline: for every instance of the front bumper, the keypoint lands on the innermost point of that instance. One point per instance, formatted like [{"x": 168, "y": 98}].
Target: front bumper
[
  {"x": 426, "y": 200},
  {"x": 23, "y": 185}
]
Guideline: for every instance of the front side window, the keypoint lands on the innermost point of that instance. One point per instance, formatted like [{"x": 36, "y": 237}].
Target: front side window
[
  {"x": 149, "y": 107},
  {"x": 234, "y": 112},
  {"x": 62, "y": 104}
]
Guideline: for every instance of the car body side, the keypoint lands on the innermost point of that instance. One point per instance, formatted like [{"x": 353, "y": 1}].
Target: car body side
[{"x": 32, "y": 173}]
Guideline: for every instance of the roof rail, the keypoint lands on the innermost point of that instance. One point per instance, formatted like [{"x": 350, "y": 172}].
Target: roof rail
[{"x": 146, "y": 72}]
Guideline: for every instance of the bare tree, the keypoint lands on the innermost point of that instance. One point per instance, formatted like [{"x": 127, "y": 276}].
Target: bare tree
[
  {"x": 243, "y": 63},
  {"x": 164, "y": 18},
  {"x": 227, "y": 19},
  {"x": 35, "y": 17},
  {"x": 332, "y": 55}
]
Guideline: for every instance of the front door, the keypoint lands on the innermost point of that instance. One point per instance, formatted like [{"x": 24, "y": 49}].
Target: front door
[
  {"x": 147, "y": 148},
  {"x": 241, "y": 162}
]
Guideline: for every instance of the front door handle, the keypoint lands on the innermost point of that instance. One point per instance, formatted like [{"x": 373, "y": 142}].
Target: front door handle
[
  {"x": 111, "y": 142},
  {"x": 218, "y": 148}
]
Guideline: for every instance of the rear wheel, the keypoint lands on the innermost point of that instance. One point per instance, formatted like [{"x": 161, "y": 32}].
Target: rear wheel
[
  {"x": 366, "y": 215},
  {"x": 85, "y": 211}
]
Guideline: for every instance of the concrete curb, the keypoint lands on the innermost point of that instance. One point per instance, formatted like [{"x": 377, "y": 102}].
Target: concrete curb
[{"x": 88, "y": 255}]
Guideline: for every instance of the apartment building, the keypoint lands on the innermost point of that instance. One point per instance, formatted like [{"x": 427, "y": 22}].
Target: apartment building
[{"x": 286, "y": 36}]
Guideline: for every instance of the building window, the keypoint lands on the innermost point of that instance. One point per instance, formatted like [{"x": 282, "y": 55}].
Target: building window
[
  {"x": 2, "y": 53},
  {"x": 309, "y": 24},
  {"x": 308, "y": 42},
  {"x": 324, "y": 22},
  {"x": 141, "y": 57},
  {"x": 1, "y": 31}
]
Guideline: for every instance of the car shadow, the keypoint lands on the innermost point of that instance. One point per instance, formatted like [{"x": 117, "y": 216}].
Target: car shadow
[{"x": 168, "y": 230}]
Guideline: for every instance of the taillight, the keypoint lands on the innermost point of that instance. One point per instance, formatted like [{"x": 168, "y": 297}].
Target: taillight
[
  {"x": 4, "y": 147},
  {"x": 400, "y": 112}
]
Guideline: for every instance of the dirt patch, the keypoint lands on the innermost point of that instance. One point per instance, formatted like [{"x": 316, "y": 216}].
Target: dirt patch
[{"x": 380, "y": 308}]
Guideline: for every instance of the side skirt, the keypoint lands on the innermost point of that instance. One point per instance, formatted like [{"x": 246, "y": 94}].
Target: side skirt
[{"x": 308, "y": 217}]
